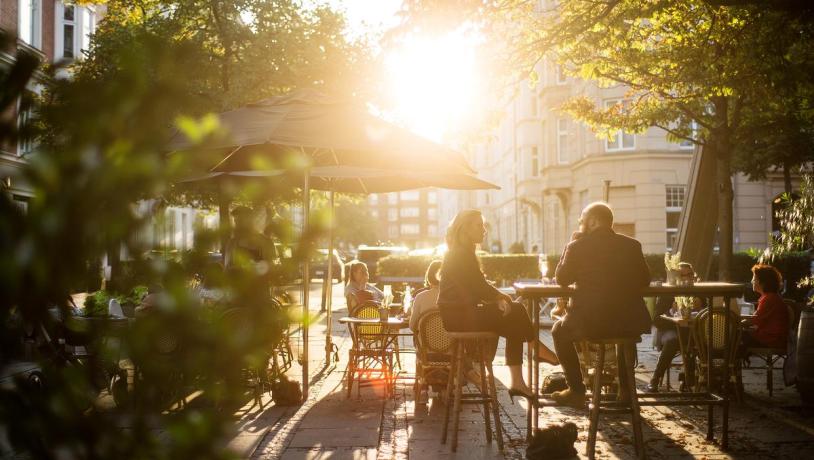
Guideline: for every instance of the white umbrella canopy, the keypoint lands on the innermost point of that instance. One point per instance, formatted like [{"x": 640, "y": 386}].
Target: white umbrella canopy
[
  {"x": 344, "y": 179},
  {"x": 326, "y": 129}
]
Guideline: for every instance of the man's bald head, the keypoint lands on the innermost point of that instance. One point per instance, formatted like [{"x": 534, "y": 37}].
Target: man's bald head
[{"x": 597, "y": 214}]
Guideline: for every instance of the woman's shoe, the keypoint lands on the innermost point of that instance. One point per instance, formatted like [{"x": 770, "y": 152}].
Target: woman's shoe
[
  {"x": 546, "y": 355},
  {"x": 529, "y": 397}
]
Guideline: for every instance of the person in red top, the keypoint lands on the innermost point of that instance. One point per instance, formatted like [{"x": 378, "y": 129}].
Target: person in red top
[{"x": 770, "y": 325}]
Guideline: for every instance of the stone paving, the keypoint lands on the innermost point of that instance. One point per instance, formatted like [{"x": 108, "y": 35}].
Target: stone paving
[{"x": 331, "y": 426}]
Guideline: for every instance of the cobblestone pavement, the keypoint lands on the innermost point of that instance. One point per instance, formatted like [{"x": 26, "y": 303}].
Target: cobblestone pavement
[{"x": 369, "y": 426}]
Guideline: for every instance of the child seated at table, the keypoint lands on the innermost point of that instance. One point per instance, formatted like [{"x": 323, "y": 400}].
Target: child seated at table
[{"x": 357, "y": 288}]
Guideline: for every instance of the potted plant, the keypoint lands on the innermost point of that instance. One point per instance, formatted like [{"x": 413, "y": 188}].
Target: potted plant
[{"x": 671, "y": 266}]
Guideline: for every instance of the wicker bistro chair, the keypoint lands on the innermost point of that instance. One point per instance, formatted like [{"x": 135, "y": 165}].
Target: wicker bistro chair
[
  {"x": 720, "y": 349},
  {"x": 371, "y": 350},
  {"x": 770, "y": 355},
  {"x": 434, "y": 349}
]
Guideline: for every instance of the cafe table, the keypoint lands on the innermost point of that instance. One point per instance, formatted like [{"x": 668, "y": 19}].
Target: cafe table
[{"x": 534, "y": 293}]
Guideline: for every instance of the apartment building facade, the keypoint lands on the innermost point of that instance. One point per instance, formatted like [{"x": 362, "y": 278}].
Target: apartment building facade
[
  {"x": 550, "y": 166},
  {"x": 57, "y": 31},
  {"x": 408, "y": 218}
]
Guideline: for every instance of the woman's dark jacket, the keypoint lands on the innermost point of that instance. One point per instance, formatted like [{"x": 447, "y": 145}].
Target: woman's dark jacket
[{"x": 463, "y": 286}]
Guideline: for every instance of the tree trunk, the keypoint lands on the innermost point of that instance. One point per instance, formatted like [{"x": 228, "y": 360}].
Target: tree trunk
[{"x": 725, "y": 228}]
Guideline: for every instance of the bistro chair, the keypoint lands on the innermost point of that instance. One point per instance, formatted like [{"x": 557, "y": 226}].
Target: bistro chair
[
  {"x": 769, "y": 355},
  {"x": 626, "y": 346},
  {"x": 434, "y": 349},
  {"x": 370, "y": 350},
  {"x": 720, "y": 349}
]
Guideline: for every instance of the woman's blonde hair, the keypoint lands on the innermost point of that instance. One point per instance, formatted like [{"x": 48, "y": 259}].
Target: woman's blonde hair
[
  {"x": 431, "y": 277},
  {"x": 461, "y": 220},
  {"x": 351, "y": 267}
]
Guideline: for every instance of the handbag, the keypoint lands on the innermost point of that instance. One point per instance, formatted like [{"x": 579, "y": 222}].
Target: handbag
[{"x": 553, "y": 442}]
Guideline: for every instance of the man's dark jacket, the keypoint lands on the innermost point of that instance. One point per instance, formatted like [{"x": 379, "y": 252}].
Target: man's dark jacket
[{"x": 609, "y": 271}]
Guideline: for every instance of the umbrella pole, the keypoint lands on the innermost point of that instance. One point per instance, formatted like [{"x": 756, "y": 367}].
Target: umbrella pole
[
  {"x": 306, "y": 283},
  {"x": 223, "y": 213},
  {"x": 330, "y": 281}
]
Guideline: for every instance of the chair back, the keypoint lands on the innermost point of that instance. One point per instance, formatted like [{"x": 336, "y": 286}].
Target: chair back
[
  {"x": 719, "y": 346},
  {"x": 432, "y": 337},
  {"x": 367, "y": 332}
]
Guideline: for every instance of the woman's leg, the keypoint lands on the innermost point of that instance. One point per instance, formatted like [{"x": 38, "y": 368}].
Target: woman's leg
[{"x": 669, "y": 348}]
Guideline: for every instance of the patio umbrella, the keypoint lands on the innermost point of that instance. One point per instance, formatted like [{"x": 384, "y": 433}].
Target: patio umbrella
[
  {"x": 327, "y": 132},
  {"x": 348, "y": 179}
]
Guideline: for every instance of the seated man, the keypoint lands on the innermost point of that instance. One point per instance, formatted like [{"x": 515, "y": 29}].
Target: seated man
[{"x": 609, "y": 271}]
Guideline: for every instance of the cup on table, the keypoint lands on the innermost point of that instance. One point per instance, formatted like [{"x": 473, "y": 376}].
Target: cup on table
[{"x": 384, "y": 314}]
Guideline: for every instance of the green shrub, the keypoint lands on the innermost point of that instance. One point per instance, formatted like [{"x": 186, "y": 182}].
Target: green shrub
[
  {"x": 501, "y": 268},
  {"x": 401, "y": 265},
  {"x": 508, "y": 268}
]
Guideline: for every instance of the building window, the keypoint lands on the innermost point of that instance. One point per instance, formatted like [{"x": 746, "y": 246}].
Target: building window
[
  {"x": 25, "y": 144},
  {"x": 674, "y": 203},
  {"x": 432, "y": 197},
  {"x": 171, "y": 230},
  {"x": 88, "y": 27},
  {"x": 432, "y": 230},
  {"x": 562, "y": 140},
  {"x": 409, "y": 212},
  {"x": 432, "y": 214},
  {"x": 393, "y": 231},
  {"x": 535, "y": 162},
  {"x": 392, "y": 198},
  {"x": 374, "y": 213},
  {"x": 392, "y": 215},
  {"x": 410, "y": 229},
  {"x": 373, "y": 199},
  {"x": 30, "y": 22},
  {"x": 620, "y": 139},
  {"x": 409, "y": 195},
  {"x": 68, "y": 31},
  {"x": 687, "y": 144},
  {"x": 184, "y": 231},
  {"x": 562, "y": 78}
]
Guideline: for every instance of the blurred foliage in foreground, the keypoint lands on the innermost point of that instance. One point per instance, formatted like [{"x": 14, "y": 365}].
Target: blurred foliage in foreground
[{"x": 103, "y": 150}]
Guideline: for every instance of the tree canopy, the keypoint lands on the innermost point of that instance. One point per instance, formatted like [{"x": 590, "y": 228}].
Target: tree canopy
[{"x": 731, "y": 78}]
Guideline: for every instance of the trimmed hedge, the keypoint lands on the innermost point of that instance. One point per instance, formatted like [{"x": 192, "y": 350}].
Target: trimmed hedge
[
  {"x": 501, "y": 268},
  {"x": 507, "y": 268}
]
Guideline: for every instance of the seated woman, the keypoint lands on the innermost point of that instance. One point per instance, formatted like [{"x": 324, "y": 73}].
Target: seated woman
[
  {"x": 469, "y": 303},
  {"x": 357, "y": 289},
  {"x": 770, "y": 326},
  {"x": 427, "y": 299},
  {"x": 666, "y": 338}
]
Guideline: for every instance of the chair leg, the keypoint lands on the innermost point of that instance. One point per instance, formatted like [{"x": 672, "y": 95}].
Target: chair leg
[
  {"x": 495, "y": 407},
  {"x": 448, "y": 397},
  {"x": 456, "y": 409},
  {"x": 351, "y": 371},
  {"x": 593, "y": 424},
  {"x": 636, "y": 419},
  {"x": 769, "y": 377},
  {"x": 484, "y": 391}
]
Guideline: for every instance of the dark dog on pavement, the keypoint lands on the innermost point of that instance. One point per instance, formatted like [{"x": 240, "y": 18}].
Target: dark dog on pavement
[{"x": 553, "y": 442}]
